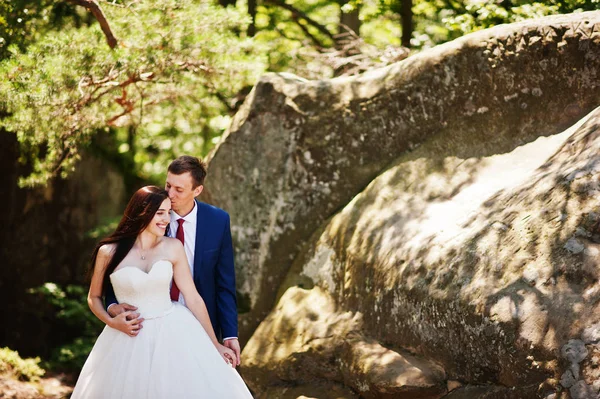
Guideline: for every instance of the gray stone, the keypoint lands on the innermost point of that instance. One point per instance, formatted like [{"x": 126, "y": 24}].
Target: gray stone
[
  {"x": 574, "y": 245},
  {"x": 298, "y": 151},
  {"x": 323, "y": 345},
  {"x": 581, "y": 232},
  {"x": 581, "y": 390},
  {"x": 574, "y": 351},
  {"x": 298, "y": 342},
  {"x": 591, "y": 334},
  {"x": 371, "y": 369},
  {"x": 567, "y": 380},
  {"x": 413, "y": 255},
  {"x": 372, "y": 208}
]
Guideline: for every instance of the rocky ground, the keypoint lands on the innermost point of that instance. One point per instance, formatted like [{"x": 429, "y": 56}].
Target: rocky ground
[{"x": 51, "y": 387}]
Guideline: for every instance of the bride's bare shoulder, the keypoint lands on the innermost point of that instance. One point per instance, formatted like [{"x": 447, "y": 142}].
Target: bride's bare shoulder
[
  {"x": 106, "y": 250},
  {"x": 171, "y": 242},
  {"x": 105, "y": 253}
]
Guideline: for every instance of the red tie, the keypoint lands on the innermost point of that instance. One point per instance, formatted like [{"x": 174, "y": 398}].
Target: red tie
[{"x": 179, "y": 235}]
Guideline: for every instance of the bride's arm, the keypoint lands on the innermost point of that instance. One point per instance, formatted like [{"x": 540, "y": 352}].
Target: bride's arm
[
  {"x": 194, "y": 302},
  {"x": 96, "y": 304}
]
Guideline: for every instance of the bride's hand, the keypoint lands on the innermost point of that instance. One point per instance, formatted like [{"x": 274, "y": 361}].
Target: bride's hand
[{"x": 227, "y": 354}]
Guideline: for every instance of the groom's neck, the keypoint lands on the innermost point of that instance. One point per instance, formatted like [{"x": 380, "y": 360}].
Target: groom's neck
[{"x": 183, "y": 212}]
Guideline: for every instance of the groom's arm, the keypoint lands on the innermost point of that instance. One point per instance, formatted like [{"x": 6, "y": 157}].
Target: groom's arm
[
  {"x": 109, "y": 296},
  {"x": 225, "y": 286}
]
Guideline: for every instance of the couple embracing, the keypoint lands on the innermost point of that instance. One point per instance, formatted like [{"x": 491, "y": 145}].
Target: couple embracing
[{"x": 168, "y": 281}]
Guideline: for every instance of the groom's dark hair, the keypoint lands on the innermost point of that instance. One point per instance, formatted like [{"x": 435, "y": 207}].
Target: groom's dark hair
[{"x": 187, "y": 163}]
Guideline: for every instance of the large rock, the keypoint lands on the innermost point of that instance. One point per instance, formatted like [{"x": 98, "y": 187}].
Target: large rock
[
  {"x": 313, "y": 343},
  {"x": 378, "y": 372},
  {"x": 305, "y": 343},
  {"x": 298, "y": 151},
  {"x": 486, "y": 265}
]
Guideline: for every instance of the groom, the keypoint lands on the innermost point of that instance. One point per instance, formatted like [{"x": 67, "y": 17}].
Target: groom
[{"x": 206, "y": 236}]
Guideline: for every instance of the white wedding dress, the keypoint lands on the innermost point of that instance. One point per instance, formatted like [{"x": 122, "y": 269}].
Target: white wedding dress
[{"x": 171, "y": 357}]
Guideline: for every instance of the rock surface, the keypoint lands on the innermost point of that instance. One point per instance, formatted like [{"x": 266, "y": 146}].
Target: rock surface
[
  {"x": 299, "y": 151},
  {"x": 463, "y": 261},
  {"x": 468, "y": 267},
  {"x": 475, "y": 252},
  {"x": 314, "y": 344}
]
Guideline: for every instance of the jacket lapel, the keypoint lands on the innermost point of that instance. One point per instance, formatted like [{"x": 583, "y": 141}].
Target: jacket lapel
[{"x": 200, "y": 236}]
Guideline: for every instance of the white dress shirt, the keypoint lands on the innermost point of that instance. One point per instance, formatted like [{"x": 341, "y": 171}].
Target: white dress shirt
[{"x": 189, "y": 237}]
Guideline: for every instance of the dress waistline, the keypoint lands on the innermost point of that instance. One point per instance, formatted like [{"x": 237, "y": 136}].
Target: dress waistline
[{"x": 159, "y": 315}]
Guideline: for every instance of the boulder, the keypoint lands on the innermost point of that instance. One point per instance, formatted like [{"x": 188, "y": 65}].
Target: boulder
[
  {"x": 307, "y": 342},
  {"x": 462, "y": 259},
  {"x": 298, "y": 151},
  {"x": 379, "y": 372}
]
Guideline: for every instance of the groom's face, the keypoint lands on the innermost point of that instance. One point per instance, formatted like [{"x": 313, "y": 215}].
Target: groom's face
[{"x": 182, "y": 192}]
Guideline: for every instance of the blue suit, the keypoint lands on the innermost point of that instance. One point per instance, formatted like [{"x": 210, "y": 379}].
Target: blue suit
[{"x": 214, "y": 274}]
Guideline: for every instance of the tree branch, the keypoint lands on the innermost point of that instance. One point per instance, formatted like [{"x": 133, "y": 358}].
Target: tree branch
[
  {"x": 299, "y": 14},
  {"x": 316, "y": 41},
  {"x": 95, "y": 9}
]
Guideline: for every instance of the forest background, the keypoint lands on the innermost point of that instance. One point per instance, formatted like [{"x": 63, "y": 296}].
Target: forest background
[{"x": 137, "y": 83}]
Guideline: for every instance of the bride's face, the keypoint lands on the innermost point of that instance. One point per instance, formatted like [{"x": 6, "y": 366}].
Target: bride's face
[{"x": 161, "y": 219}]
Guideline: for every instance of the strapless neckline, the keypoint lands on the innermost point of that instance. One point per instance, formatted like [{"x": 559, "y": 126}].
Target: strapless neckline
[
  {"x": 142, "y": 271},
  {"x": 148, "y": 291}
]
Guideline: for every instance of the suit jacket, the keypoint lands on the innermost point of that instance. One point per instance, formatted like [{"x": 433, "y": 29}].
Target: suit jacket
[{"x": 214, "y": 274}]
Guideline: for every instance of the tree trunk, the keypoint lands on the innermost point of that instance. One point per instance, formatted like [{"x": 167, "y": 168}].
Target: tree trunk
[
  {"x": 252, "y": 13},
  {"x": 406, "y": 16},
  {"x": 350, "y": 20}
]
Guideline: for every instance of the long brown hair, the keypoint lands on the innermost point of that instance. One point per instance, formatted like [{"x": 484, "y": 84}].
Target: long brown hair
[{"x": 137, "y": 216}]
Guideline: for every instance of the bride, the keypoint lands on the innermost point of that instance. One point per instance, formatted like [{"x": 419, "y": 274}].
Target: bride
[{"x": 177, "y": 354}]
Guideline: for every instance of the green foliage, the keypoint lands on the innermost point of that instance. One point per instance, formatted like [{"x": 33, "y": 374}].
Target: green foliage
[
  {"x": 481, "y": 15},
  {"x": 71, "y": 306},
  {"x": 161, "y": 90},
  {"x": 443, "y": 20},
  {"x": 176, "y": 76},
  {"x": 23, "y": 21},
  {"x": 23, "y": 369},
  {"x": 104, "y": 229},
  {"x": 172, "y": 83},
  {"x": 71, "y": 356}
]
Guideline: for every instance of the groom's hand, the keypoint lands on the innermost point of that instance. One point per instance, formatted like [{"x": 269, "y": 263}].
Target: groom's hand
[
  {"x": 122, "y": 323},
  {"x": 118, "y": 308},
  {"x": 234, "y": 345}
]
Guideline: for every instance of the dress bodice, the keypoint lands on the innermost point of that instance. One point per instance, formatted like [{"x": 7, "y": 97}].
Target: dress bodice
[{"x": 149, "y": 292}]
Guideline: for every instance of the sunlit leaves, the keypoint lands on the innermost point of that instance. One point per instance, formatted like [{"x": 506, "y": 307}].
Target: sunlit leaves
[
  {"x": 175, "y": 63},
  {"x": 170, "y": 85}
]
